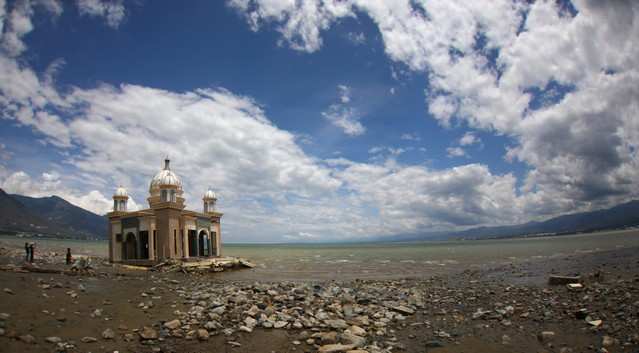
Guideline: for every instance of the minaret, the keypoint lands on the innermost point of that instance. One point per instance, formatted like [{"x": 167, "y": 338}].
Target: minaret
[
  {"x": 120, "y": 199},
  {"x": 209, "y": 200}
]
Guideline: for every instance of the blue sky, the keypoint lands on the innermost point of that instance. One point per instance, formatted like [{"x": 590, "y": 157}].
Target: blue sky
[{"x": 333, "y": 121}]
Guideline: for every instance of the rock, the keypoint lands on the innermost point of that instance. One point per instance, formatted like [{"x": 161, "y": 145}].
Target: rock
[
  {"x": 434, "y": 344},
  {"x": 27, "y": 339},
  {"x": 108, "y": 334},
  {"x": 219, "y": 310},
  {"x": 357, "y": 351},
  {"x": 558, "y": 280},
  {"x": 575, "y": 286},
  {"x": 607, "y": 341},
  {"x": 202, "y": 335},
  {"x": 280, "y": 324},
  {"x": 4, "y": 316},
  {"x": 595, "y": 323},
  {"x": 328, "y": 337},
  {"x": 336, "y": 324},
  {"x": 246, "y": 329},
  {"x": 89, "y": 339},
  {"x": 480, "y": 313},
  {"x": 545, "y": 336},
  {"x": 334, "y": 348},
  {"x": 173, "y": 324},
  {"x": 8, "y": 291},
  {"x": 356, "y": 330},
  {"x": 352, "y": 339},
  {"x": 505, "y": 340},
  {"x": 148, "y": 333},
  {"x": 403, "y": 310},
  {"x": 53, "y": 339},
  {"x": 2, "y": 333}
]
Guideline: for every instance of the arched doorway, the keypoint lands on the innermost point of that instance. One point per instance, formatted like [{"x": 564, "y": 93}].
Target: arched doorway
[
  {"x": 130, "y": 247},
  {"x": 204, "y": 243},
  {"x": 192, "y": 243}
]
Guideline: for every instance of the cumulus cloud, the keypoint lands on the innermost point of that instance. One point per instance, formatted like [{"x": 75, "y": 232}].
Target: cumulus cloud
[
  {"x": 50, "y": 183},
  {"x": 560, "y": 84},
  {"x": 456, "y": 152},
  {"x": 113, "y": 11},
  {"x": 469, "y": 139},
  {"x": 343, "y": 115}
]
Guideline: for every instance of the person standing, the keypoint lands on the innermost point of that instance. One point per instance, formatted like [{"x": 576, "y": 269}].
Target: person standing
[
  {"x": 27, "y": 256},
  {"x": 68, "y": 256},
  {"x": 31, "y": 251}
]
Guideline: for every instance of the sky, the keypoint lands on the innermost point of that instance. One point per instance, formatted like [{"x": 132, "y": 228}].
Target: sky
[{"x": 326, "y": 120}]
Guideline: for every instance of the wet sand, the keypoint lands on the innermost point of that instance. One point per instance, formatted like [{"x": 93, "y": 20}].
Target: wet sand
[{"x": 41, "y": 305}]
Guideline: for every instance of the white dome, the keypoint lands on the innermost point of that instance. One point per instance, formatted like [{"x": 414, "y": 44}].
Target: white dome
[
  {"x": 164, "y": 178},
  {"x": 121, "y": 192},
  {"x": 209, "y": 194}
]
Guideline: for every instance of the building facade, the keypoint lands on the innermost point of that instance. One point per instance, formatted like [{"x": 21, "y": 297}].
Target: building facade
[{"x": 165, "y": 230}]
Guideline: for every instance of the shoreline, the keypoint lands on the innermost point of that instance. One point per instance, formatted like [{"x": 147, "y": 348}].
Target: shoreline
[{"x": 501, "y": 307}]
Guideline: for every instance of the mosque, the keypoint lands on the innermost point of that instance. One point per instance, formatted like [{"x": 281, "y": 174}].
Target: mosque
[{"x": 165, "y": 230}]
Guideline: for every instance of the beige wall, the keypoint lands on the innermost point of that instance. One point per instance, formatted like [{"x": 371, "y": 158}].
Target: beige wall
[{"x": 115, "y": 247}]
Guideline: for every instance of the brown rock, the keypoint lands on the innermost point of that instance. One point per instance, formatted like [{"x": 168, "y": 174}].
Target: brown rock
[{"x": 148, "y": 333}]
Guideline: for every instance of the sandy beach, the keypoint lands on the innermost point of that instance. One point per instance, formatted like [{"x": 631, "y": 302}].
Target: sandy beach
[{"x": 498, "y": 307}]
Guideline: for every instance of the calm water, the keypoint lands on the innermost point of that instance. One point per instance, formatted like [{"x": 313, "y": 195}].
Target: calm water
[{"x": 381, "y": 260}]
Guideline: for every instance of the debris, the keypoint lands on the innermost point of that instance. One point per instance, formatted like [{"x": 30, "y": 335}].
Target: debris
[{"x": 557, "y": 280}]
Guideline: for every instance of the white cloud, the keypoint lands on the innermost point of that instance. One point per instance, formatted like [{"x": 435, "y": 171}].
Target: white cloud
[
  {"x": 588, "y": 123},
  {"x": 469, "y": 139},
  {"x": 456, "y": 152},
  {"x": 113, "y": 11},
  {"x": 410, "y": 137},
  {"x": 356, "y": 38},
  {"x": 50, "y": 183},
  {"x": 343, "y": 115}
]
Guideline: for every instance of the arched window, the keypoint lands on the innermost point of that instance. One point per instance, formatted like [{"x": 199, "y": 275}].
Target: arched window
[
  {"x": 165, "y": 195},
  {"x": 172, "y": 195}
]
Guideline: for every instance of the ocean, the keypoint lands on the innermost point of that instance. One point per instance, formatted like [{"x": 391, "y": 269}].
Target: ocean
[{"x": 384, "y": 260}]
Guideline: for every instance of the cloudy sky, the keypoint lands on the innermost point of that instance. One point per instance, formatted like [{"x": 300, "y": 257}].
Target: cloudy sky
[{"x": 326, "y": 119}]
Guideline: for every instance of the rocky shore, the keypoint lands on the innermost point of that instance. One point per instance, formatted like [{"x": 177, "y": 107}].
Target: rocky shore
[{"x": 499, "y": 309}]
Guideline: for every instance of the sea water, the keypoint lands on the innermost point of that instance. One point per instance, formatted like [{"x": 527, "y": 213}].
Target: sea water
[{"x": 382, "y": 260}]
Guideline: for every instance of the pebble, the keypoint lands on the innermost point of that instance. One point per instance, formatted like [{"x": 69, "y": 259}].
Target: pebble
[
  {"x": 108, "y": 334},
  {"x": 27, "y": 339},
  {"x": 89, "y": 339},
  {"x": 148, "y": 333}
]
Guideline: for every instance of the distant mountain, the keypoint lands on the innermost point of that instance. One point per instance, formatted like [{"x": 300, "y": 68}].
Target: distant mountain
[
  {"x": 620, "y": 216},
  {"x": 49, "y": 215}
]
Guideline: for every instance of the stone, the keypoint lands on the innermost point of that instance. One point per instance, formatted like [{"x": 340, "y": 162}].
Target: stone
[
  {"x": 335, "y": 348},
  {"x": 27, "y": 339},
  {"x": 480, "y": 313},
  {"x": 88, "y": 339},
  {"x": 545, "y": 336},
  {"x": 53, "y": 339},
  {"x": 328, "y": 337},
  {"x": 595, "y": 323},
  {"x": 148, "y": 333},
  {"x": 246, "y": 329},
  {"x": 8, "y": 291},
  {"x": 607, "y": 341},
  {"x": 280, "y": 324},
  {"x": 352, "y": 339},
  {"x": 356, "y": 330},
  {"x": 108, "y": 334},
  {"x": 202, "y": 335},
  {"x": 403, "y": 310},
  {"x": 173, "y": 324},
  {"x": 336, "y": 324},
  {"x": 575, "y": 286}
]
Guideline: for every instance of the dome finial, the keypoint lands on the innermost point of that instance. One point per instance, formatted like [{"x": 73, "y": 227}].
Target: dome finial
[{"x": 166, "y": 163}]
